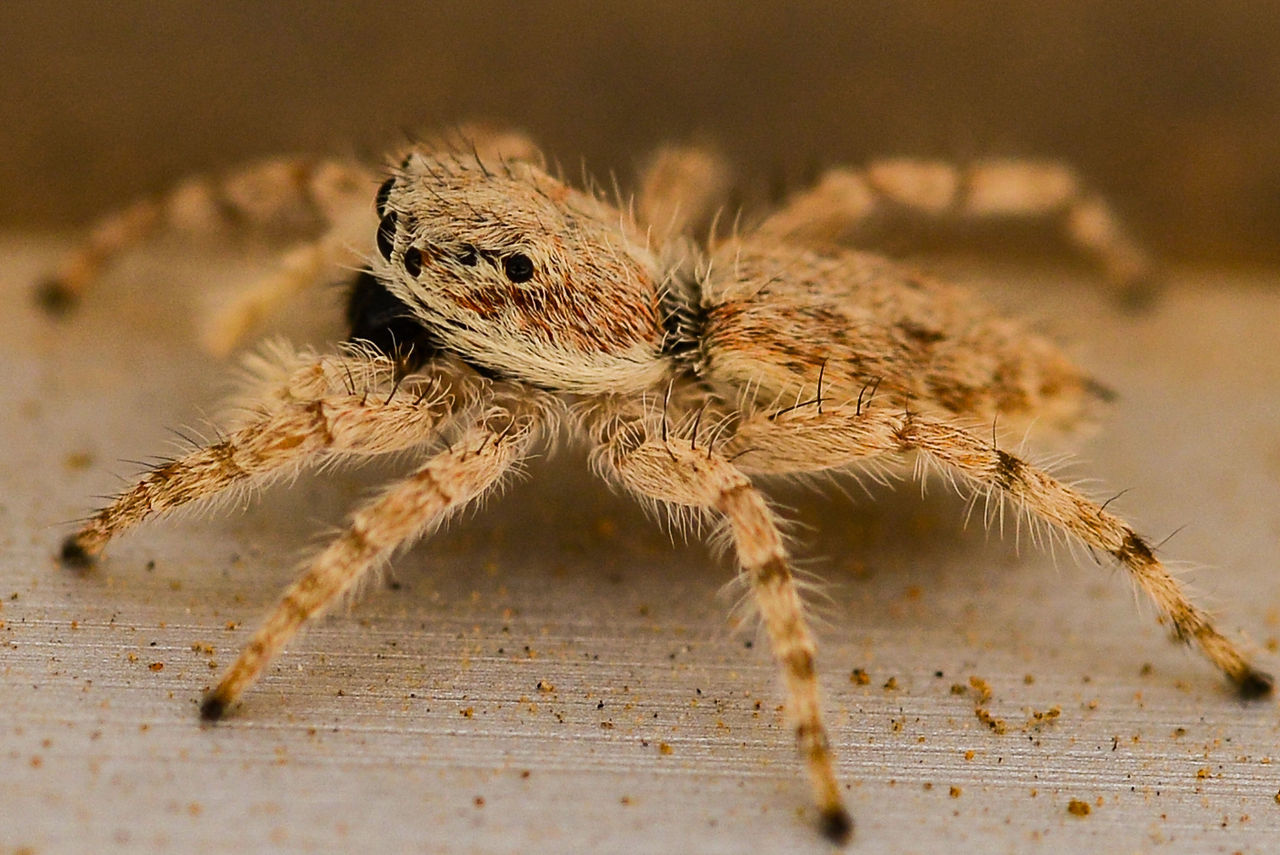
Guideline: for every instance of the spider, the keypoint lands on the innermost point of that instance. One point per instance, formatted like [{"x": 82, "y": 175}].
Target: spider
[{"x": 499, "y": 306}]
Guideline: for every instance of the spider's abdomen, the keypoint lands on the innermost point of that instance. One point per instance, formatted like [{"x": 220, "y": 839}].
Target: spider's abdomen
[{"x": 778, "y": 315}]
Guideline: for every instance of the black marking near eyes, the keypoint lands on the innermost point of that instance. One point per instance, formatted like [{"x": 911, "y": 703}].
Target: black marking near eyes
[
  {"x": 412, "y": 261},
  {"x": 380, "y": 319},
  {"x": 383, "y": 321},
  {"x": 384, "y": 193},
  {"x": 468, "y": 256},
  {"x": 387, "y": 235},
  {"x": 518, "y": 267}
]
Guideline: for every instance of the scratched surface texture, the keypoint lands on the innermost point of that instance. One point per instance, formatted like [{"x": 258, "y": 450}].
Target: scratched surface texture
[{"x": 553, "y": 675}]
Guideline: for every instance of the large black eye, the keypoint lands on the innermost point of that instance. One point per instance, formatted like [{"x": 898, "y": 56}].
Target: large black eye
[
  {"x": 518, "y": 267},
  {"x": 384, "y": 193},
  {"x": 387, "y": 235},
  {"x": 412, "y": 261}
]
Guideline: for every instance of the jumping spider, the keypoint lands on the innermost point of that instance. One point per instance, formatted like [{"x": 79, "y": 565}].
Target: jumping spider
[{"x": 498, "y": 304}]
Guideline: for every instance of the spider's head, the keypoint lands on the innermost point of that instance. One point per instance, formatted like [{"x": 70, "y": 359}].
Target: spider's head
[{"x": 520, "y": 274}]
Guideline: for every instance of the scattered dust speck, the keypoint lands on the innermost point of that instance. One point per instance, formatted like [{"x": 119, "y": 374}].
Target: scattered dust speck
[
  {"x": 78, "y": 460},
  {"x": 1075, "y": 807}
]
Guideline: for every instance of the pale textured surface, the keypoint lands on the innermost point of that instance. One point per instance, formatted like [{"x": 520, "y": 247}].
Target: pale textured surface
[{"x": 382, "y": 728}]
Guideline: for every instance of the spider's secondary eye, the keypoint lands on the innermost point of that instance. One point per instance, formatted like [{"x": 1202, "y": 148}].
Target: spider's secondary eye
[
  {"x": 412, "y": 261},
  {"x": 518, "y": 267},
  {"x": 468, "y": 255},
  {"x": 384, "y": 193},
  {"x": 387, "y": 235}
]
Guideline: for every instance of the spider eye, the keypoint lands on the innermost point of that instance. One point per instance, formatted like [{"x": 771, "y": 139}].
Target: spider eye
[
  {"x": 518, "y": 267},
  {"x": 468, "y": 255},
  {"x": 412, "y": 261},
  {"x": 387, "y": 235},
  {"x": 384, "y": 193}
]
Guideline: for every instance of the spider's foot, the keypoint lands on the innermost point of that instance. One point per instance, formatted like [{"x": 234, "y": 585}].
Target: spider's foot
[
  {"x": 213, "y": 707},
  {"x": 55, "y": 297},
  {"x": 1140, "y": 287},
  {"x": 1254, "y": 684},
  {"x": 74, "y": 554},
  {"x": 836, "y": 824}
]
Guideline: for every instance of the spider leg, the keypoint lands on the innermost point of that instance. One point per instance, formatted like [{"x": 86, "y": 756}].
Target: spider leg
[
  {"x": 990, "y": 468},
  {"x": 681, "y": 188},
  {"x": 841, "y": 436},
  {"x": 300, "y": 269},
  {"x": 288, "y": 193},
  {"x": 444, "y": 484},
  {"x": 675, "y": 473},
  {"x": 326, "y": 409},
  {"x": 845, "y": 200},
  {"x": 351, "y": 226}
]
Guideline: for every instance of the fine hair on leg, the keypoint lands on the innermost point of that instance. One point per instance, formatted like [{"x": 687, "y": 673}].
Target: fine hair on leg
[
  {"x": 473, "y": 465},
  {"x": 667, "y": 471}
]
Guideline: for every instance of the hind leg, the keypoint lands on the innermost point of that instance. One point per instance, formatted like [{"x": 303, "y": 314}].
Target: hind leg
[
  {"x": 845, "y": 200},
  {"x": 806, "y": 439}
]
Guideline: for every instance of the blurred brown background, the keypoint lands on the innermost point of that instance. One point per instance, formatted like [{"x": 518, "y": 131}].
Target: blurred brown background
[{"x": 1171, "y": 108}]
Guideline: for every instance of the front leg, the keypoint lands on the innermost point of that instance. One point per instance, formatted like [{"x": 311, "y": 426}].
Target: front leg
[
  {"x": 317, "y": 409},
  {"x": 287, "y": 194},
  {"x": 677, "y": 473},
  {"x": 472, "y": 466}
]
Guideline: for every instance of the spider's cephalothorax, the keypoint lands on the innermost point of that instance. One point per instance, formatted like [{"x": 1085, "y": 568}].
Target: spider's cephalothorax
[
  {"x": 498, "y": 302},
  {"x": 520, "y": 274}
]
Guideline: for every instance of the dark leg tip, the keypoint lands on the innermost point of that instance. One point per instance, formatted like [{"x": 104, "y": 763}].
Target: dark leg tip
[
  {"x": 212, "y": 707},
  {"x": 1139, "y": 297},
  {"x": 55, "y": 297},
  {"x": 73, "y": 554},
  {"x": 836, "y": 825},
  {"x": 1255, "y": 684}
]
